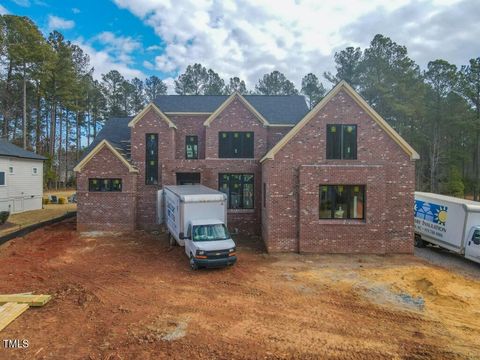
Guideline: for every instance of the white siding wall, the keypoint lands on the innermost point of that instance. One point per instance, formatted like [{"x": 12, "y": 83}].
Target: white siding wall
[{"x": 23, "y": 190}]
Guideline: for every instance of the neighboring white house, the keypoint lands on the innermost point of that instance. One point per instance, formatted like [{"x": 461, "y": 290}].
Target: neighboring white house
[{"x": 21, "y": 179}]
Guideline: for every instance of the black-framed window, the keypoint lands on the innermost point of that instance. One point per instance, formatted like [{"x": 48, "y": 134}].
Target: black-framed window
[
  {"x": 342, "y": 202},
  {"x": 151, "y": 159},
  {"x": 2, "y": 178},
  {"x": 104, "y": 185},
  {"x": 235, "y": 144},
  {"x": 191, "y": 147},
  {"x": 341, "y": 141},
  {"x": 239, "y": 189}
]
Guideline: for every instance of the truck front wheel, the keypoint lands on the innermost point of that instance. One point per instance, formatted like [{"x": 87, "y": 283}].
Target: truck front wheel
[
  {"x": 419, "y": 242},
  {"x": 192, "y": 263}
]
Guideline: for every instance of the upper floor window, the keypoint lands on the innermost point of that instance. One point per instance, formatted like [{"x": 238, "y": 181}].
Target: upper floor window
[
  {"x": 235, "y": 144},
  {"x": 151, "y": 159},
  {"x": 104, "y": 185},
  {"x": 342, "y": 202},
  {"x": 34, "y": 171},
  {"x": 239, "y": 190},
  {"x": 341, "y": 141},
  {"x": 10, "y": 170},
  {"x": 191, "y": 147}
]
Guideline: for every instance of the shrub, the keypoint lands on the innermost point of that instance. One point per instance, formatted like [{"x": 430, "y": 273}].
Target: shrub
[
  {"x": 46, "y": 201},
  {"x": 455, "y": 185},
  {"x": 62, "y": 201},
  {"x": 4, "y": 216}
]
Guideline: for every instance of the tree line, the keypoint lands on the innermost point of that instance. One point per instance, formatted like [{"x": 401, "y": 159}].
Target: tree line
[
  {"x": 437, "y": 110},
  {"x": 51, "y": 102}
]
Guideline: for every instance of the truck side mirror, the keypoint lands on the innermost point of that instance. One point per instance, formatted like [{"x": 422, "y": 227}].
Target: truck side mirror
[{"x": 181, "y": 235}]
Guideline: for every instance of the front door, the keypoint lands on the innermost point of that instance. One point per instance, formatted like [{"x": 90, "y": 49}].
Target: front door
[
  {"x": 188, "y": 178},
  {"x": 472, "y": 247}
]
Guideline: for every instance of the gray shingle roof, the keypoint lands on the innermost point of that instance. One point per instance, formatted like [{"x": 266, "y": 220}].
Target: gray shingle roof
[
  {"x": 277, "y": 109},
  {"x": 8, "y": 149},
  {"x": 117, "y": 132}
]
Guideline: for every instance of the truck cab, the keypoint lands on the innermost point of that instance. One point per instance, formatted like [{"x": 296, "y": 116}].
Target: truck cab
[
  {"x": 209, "y": 244},
  {"x": 472, "y": 244}
]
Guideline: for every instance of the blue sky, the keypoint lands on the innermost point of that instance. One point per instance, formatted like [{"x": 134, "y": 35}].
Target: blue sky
[
  {"x": 83, "y": 22},
  {"x": 249, "y": 38}
]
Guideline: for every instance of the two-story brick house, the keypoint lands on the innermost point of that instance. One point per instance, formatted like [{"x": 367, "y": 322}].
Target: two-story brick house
[{"x": 336, "y": 178}]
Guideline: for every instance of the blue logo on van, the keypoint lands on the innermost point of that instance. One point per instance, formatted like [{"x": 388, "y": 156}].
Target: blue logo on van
[{"x": 434, "y": 213}]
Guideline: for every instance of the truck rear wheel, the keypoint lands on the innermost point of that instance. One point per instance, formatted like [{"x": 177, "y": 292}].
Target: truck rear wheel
[{"x": 419, "y": 242}]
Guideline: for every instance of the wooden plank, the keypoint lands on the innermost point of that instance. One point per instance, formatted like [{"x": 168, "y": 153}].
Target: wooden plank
[
  {"x": 9, "y": 312},
  {"x": 32, "y": 300}
]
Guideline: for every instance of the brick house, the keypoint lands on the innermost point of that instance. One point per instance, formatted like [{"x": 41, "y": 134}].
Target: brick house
[{"x": 335, "y": 179}]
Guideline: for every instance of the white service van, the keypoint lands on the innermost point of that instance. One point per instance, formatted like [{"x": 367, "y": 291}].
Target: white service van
[
  {"x": 196, "y": 218},
  {"x": 448, "y": 222}
]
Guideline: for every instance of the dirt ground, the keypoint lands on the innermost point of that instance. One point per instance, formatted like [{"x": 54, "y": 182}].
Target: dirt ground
[{"x": 118, "y": 296}]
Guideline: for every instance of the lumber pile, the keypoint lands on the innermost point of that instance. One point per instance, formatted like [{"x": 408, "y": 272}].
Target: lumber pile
[
  {"x": 14, "y": 305},
  {"x": 31, "y": 300}
]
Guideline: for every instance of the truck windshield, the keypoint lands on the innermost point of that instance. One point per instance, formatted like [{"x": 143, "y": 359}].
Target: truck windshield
[{"x": 210, "y": 232}]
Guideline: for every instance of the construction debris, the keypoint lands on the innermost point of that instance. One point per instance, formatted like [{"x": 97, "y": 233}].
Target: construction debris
[
  {"x": 15, "y": 305},
  {"x": 32, "y": 300},
  {"x": 9, "y": 312}
]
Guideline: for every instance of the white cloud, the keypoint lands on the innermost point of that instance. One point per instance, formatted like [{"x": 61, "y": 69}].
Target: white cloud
[
  {"x": 121, "y": 47},
  {"x": 76, "y": 10},
  {"x": 114, "y": 55},
  {"x": 154, "y": 48},
  {"x": 3, "y": 11},
  {"x": 58, "y": 23},
  {"x": 148, "y": 65},
  {"x": 248, "y": 38},
  {"x": 23, "y": 3}
]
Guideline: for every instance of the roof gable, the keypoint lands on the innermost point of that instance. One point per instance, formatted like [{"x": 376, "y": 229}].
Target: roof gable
[
  {"x": 147, "y": 108},
  {"x": 227, "y": 102},
  {"x": 343, "y": 85},
  {"x": 102, "y": 144},
  {"x": 117, "y": 132}
]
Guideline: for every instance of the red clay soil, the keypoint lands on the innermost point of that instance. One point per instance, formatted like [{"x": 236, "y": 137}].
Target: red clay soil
[{"x": 130, "y": 296}]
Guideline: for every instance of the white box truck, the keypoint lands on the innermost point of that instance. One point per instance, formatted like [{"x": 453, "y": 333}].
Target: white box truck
[
  {"x": 448, "y": 222},
  {"x": 196, "y": 218}
]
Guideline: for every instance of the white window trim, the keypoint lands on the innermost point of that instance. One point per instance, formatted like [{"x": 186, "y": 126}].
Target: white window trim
[
  {"x": 4, "y": 178},
  {"x": 33, "y": 173}
]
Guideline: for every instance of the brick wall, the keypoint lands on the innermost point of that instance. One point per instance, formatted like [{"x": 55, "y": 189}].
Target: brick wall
[
  {"x": 275, "y": 133},
  {"x": 235, "y": 117},
  {"x": 151, "y": 123},
  {"x": 290, "y": 222},
  {"x": 189, "y": 125},
  {"x": 106, "y": 210}
]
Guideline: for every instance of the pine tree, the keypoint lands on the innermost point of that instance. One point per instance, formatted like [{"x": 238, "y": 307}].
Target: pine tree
[
  {"x": 154, "y": 87},
  {"x": 313, "y": 89},
  {"x": 275, "y": 83}
]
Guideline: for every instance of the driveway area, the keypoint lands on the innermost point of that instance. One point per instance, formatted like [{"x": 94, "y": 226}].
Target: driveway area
[{"x": 130, "y": 296}]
